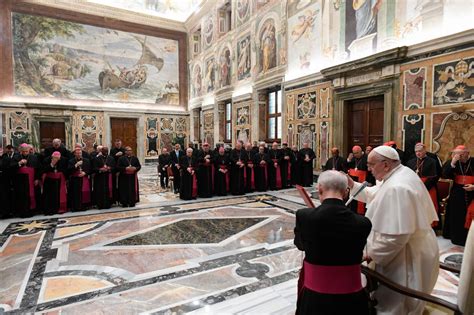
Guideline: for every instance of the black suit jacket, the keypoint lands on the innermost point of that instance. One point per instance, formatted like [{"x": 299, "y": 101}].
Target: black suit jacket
[{"x": 174, "y": 158}]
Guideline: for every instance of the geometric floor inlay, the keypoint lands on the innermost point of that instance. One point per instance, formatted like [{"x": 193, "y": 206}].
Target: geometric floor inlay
[{"x": 202, "y": 231}]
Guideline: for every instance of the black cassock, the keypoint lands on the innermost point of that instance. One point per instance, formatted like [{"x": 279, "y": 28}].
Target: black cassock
[
  {"x": 5, "y": 186},
  {"x": 116, "y": 172},
  {"x": 128, "y": 180},
  {"x": 274, "y": 173},
  {"x": 261, "y": 171},
  {"x": 221, "y": 174},
  {"x": 237, "y": 180},
  {"x": 205, "y": 173},
  {"x": 306, "y": 166},
  {"x": 295, "y": 168},
  {"x": 426, "y": 169},
  {"x": 459, "y": 201},
  {"x": 285, "y": 167},
  {"x": 249, "y": 171},
  {"x": 24, "y": 199},
  {"x": 175, "y": 158},
  {"x": 54, "y": 186},
  {"x": 79, "y": 189},
  {"x": 102, "y": 181},
  {"x": 331, "y": 235},
  {"x": 188, "y": 189},
  {"x": 164, "y": 162},
  {"x": 336, "y": 163}
]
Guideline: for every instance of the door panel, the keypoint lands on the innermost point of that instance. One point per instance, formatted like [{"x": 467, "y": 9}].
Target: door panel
[
  {"x": 124, "y": 129},
  {"x": 365, "y": 123},
  {"x": 51, "y": 130}
]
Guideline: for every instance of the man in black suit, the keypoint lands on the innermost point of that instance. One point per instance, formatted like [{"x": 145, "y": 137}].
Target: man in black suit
[
  {"x": 176, "y": 154},
  {"x": 333, "y": 238},
  {"x": 164, "y": 162}
]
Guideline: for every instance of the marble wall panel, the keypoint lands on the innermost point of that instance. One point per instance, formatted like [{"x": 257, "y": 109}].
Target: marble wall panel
[
  {"x": 413, "y": 132},
  {"x": 88, "y": 129},
  {"x": 456, "y": 128},
  {"x": 414, "y": 88},
  {"x": 242, "y": 118},
  {"x": 19, "y": 127},
  {"x": 208, "y": 127}
]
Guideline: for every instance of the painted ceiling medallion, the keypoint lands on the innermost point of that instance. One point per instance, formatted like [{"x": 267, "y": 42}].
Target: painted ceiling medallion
[{"x": 168, "y": 9}]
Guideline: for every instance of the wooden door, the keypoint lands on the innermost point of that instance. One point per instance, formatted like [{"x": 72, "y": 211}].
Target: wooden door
[
  {"x": 366, "y": 122},
  {"x": 124, "y": 129},
  {"x": 51, "y": 130}
]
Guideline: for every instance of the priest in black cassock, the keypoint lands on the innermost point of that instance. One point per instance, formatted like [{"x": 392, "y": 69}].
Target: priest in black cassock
[
  {"x": 116, "y": 152},
  {"x": 128, "y": 167},
  {"x": 333, "y": 239},
  {"x": 205, "y": 172},
  {"x": 5, "y": 183},
  {"x": 261, "y": 162},
  {"x": 358, "y": 171},
  {"x": 222, "y": 173},
  {"x": 249, "y": 169},
  {"x": 176, "y": 156},
  {"x": 237, "y": 179},
  {"x": 460, "y": 208},
  {"x": 164, "y": 164},
  {"x": 295, "y": 166},
  {"x": 335, "y": 162},
  {"x": 285, "y": 165},
  {"x": 274, "y": 168},
  {"x": 425, "y": 168},
  {"x": 57, "y": 146},
  {"x": 26, "y": 175},
  {"x": 102, "y": 166},
  {"x": 54, "y": 184},
  {"x": 188, "y": 166},
  {"x": 306, "y": 156},
  {"x": 79, "y": 191}
]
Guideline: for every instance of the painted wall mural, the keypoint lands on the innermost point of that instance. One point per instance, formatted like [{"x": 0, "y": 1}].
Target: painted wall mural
[
  {"x": 196, "y": 86},
  {"x": 210, "y": 75},
  {"x": 453, "y": 82},
  {"x": 56, "y": 58},
  {"x": 244, "y": 63},
  {"x": 304, "y": 40},
  {"x": 267, "y": 46},
  {"x": 225, "y": 68},
  {"x": 242, "y": 11},
  {"x": 242, "y": 125},
  {"x": 208, "y": 30}
]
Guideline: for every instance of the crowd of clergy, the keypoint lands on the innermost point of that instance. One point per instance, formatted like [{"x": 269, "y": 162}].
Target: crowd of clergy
[
  {"x": 246, "y": 168},
  {"x": 428, "y": 166},
  {"x": 58, "y": 180}
]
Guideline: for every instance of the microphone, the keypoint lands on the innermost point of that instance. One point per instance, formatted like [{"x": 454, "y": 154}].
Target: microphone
[{"x": 364, "y": 185}]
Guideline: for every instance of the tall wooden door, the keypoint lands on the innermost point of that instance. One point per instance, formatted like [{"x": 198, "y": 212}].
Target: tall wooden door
[
  {"x": 51, "y": 130},
  {"x": 124, "y": 129},
  {"x": 366, "y": 122}
]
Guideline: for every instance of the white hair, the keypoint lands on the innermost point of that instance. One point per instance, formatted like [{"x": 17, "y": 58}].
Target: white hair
[
  {"x": 189, "y": 150},
  {"x": 333, "y": 180},
  {"x": 56, "y": 140}
]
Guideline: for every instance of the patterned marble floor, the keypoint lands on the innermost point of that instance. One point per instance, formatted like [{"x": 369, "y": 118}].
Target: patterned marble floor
[{"x": 213, "y": 256}]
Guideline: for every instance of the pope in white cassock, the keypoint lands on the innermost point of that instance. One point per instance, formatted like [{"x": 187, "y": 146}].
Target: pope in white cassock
[{"x": 402, "y": 243}]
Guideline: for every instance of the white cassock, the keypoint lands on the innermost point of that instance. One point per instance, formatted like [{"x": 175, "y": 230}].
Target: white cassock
[{"x": 402, "y": 243}]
